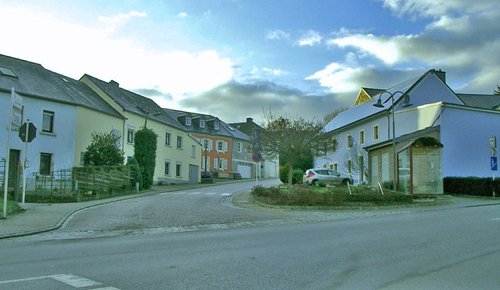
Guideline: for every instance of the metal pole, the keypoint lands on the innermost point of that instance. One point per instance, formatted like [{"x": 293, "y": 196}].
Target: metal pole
[
  {"x": 25, "y": 164},
  {"x": 7, "y": 158},
  {"x": 394, "y": 163}
]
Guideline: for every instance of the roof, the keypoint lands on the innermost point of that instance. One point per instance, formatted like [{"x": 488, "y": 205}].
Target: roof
[
  {"x": 246, "y": 127},
  {"x": 366, "y": 109},
  {"x": 480, "y": 100},
  {"x": 32, "y": 79},
  {"x": 135, "y": 103},
  {"x": 224, "y": 128}
]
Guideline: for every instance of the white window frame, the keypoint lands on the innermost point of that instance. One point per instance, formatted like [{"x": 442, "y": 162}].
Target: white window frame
[
  {"x": 168, "y": 138},
  {"x": 188, "y": 121},
  {"x": 166, "y": 169},
  {"x": 202, "y": 123},
  {"x": 179, "y": 142},
  {"x": 362, "y": 137},
  {"x": 178, "y": 169},
  {"x": 376, "y": 132},
  {"x": 50, "y": 119},
  {"x": 130, "y": 135}
]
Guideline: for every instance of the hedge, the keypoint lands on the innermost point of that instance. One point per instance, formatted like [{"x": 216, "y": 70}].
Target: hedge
[{"x": 471, "y": 186}]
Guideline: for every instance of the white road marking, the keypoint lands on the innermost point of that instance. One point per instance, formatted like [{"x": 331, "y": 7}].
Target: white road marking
[
  {"x": 495, "y": 219},
  {"x": 195, "y": 192},
  {"x": 226, "y": 194},
  {"x": 75, "y": 281},
  {"x": 210, "y": 193},
  {"x": 68, "y": 279}
]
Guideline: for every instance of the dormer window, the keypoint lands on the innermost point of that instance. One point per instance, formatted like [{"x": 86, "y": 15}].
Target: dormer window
[
  {"x": 188, "y": 121},
  {"x": 216, "y": 125},
  {"x": 202, "y": 123}
]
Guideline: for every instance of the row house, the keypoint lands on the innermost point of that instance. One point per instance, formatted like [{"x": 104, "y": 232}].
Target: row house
[
  {"x": 414, "y": 134},
  {"x": 66, "y": 112},
  {"x": 269, "y": 167},
  {"x": 225, "y": 149}
]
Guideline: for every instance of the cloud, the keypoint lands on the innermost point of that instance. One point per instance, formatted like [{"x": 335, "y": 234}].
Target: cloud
[
  {"x": 97, "y": 49},
  {"x": 278, "y": 35},
  {"x": 310, "y": 38},
  {"x": 464, "y": 42},
  {"x": 235, "y": 101},
  {"x": 182, "y": 15}
]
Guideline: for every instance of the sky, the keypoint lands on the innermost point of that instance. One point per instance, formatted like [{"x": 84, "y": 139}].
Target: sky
[{"x": 247, "y": 58}]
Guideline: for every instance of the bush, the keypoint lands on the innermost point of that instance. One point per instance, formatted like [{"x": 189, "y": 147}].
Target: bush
[
  {"x": 311, "y": 196},
  {"x": 471, "y": 186},
  {"x": 145, "y": 154},
  {"x": 135, "y": 172},
  {"x": 296, "y": 175}
]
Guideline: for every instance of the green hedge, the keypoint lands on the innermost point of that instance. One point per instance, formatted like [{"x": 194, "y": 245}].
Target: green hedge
[
  {"x": 310, "y": 196},
  {"x": 296, "y": 175},
  {"x": 471, "y": 186}
]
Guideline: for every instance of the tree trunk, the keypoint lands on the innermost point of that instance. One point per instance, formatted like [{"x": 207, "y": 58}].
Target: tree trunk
[{"x": 290, "y": 174}]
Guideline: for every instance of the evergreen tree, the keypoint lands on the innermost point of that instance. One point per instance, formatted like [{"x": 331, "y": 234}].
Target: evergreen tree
[{"x": 145, "y": 153}]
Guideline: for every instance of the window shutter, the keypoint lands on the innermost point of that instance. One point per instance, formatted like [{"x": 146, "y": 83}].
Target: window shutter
[{"x": 224, "y": 146}]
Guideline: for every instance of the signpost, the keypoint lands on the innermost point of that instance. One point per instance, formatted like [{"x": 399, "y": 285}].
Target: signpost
[
  {"x": 16, "y": 107},
  {"x": 493, "y": 160},
  {"x": 27, "y": 133}
]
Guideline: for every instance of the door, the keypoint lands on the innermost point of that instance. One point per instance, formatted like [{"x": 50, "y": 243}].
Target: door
[
  {"x": 245, "y": 170},
  {"x": 14, "y": 172},
  {"x": 194, "y": 174}
]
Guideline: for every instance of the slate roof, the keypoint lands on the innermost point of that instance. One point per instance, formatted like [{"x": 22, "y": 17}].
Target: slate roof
[
  {"x": 135, "y": 103},
  {"x": 32, "y": 79},
  {"x": 224, "y": 128},
  {"x": 480, "y": 100},
  {"x": 246, "y": 127}
]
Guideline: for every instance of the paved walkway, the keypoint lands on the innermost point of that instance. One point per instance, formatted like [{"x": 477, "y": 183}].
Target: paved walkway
[{"x": 39, "y": 217}]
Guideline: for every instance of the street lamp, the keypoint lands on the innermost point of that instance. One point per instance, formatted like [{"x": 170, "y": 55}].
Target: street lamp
[{"x": 379, "y": 104}]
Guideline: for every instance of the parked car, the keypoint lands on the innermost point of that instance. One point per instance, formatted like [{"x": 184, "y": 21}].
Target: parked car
[{"x": 324, "y": 175}]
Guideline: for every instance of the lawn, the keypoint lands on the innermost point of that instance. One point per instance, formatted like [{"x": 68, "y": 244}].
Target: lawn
[{"x": 12, "y": 206}]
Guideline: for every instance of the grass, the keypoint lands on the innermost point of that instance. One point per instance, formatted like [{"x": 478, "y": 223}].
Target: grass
[{"x": 12, "y": 206}]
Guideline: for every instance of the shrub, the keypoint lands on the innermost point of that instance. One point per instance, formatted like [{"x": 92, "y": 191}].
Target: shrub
[
  {"x": 145, "y": 154},
  {"x": 296, "y": 175},
  {"x": 471, "y": 186},
  {"x": 135, "y": 172}
]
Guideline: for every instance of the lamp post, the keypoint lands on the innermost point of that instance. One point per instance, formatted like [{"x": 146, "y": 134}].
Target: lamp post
[{"x": 380, "y": 104}]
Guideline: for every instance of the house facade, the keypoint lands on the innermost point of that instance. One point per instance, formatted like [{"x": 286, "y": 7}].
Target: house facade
[
  {"x": 178, "y": 155},
  {"x": 414, "y": 134},
  {"x": 64, "y": 111},
  {"x": 269, "y": 167},
  {"x": 225, "y": 149}
]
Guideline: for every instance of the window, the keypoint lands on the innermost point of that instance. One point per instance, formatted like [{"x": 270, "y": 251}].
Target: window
[
  {"x": 167, "y": 138},
  {"x": 375, "y": 133},
  {"x": 188, "y": 121},
  {"x": 335, "y": 167},
  {"x": 130, "y": 135},
  {"x": 350, "y": 141},
  {"x": 349, "y": 166},
  {"x": 45, "y": 163},
  {"x": 221, "y": 146},
  {"x": 167, "y": 167},
  {"x": 216, "y": 125},
  {"x": 178, "y": 171},
  {"x": 202, "y": 123},
  {"x": 179, "y": 142},
  {"x": 48, "y": 122},
  {"x": 361, "y": 137},
  {"x": 193, "y": 151}
]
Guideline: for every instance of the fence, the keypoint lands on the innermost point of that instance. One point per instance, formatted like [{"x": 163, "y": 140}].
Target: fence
[{"x": 81, "y": 183}]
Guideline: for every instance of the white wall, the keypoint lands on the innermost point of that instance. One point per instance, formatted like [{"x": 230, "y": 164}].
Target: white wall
[
  {"x": 465, "y": 136},
  {"x": 61, "y": 144}
]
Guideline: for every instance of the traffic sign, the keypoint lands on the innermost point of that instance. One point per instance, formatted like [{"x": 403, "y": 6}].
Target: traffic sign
[
  {"x": 27, "y": 132},
  {"x": 257, "y": 156},
  {"x": 494, "y": 163}
]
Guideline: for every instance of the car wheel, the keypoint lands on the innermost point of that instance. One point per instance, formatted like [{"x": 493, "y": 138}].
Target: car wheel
[
  {"x": 345, "y": 181},
  {"x": 315, "y": 182}
]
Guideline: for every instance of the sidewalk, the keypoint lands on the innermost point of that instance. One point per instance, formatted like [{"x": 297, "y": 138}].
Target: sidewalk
[{"x": 39, "y": 217}]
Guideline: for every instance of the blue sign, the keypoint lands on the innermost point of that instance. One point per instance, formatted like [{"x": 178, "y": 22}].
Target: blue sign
[{"x": 494, "y": 163}]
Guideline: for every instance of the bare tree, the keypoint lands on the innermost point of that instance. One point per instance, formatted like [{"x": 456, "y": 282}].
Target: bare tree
[
  {"x": 497, "y": 90},
  {"x": 292, "y": 140},
  {"x": 356, "y": 160},
  {"x": 330, "y": 116}
]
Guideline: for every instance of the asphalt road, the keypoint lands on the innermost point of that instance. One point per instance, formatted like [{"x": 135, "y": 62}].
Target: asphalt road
[{"x": 144, "y": 244}]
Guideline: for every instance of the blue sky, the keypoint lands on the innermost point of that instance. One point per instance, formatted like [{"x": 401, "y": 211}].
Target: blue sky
[{"x": 238, "y": 59}]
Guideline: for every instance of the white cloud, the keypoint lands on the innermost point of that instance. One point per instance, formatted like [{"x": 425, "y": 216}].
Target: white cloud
[
  {"x": 337, "y": 77},
  {"x": 74, "y": 49},
  {"x": 277, "y": 35},
  {"x": 182, "y": 15},
  {"x": 114, "y": 21},
  {"x": 310, "y": 38},
  {"x": 385, "y": 49}
]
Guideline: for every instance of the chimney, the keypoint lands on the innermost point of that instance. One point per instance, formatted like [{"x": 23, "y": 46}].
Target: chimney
[
  {"x": 249, "y": 120},
  {"x": 114, "y": 83},
  {"x": 441, "y": 75}
]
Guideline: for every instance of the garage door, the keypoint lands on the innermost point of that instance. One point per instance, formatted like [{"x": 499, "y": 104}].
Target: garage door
[{"x": 245, "y": 170}]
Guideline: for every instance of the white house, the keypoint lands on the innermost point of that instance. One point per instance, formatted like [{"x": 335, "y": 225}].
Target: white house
[{"x": 438, "y": 133}]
